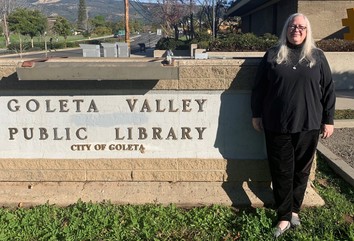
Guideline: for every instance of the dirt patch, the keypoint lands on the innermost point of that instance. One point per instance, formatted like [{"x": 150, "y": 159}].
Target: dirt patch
[{"x": 341, "y": 143}]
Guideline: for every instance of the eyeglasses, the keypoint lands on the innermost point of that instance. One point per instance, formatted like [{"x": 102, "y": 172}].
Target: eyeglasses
[{"x": 299, "y": 27}]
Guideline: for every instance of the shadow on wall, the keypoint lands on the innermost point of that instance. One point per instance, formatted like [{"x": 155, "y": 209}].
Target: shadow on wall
[
  {"x": 343, "y": 80},
  {"x": 244, "y": 149},
  {"x": 12, "y": 86},
  {"x": 338, "y": 34}
]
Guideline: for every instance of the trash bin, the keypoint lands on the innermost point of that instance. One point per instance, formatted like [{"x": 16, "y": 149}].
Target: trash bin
[
  {"x": 90, "y": 50},
  {"x": 109, "y": 50},
  {"x": 123, "y": 50}
]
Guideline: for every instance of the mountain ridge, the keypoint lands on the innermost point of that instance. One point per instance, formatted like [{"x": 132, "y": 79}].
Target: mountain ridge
[{"x": 112, "y": 10}]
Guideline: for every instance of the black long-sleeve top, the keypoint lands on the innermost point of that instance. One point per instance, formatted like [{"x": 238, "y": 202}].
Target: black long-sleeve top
[{"x": 292, "y": 97}]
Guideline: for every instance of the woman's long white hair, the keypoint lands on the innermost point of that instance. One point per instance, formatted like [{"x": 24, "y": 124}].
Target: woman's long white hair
[{"x": 309, "y": 43}]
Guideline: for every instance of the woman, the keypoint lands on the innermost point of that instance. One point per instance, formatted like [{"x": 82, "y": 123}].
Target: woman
[{"x": 293, "y": 100}]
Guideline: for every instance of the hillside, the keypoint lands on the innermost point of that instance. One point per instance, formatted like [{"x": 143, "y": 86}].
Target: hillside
[{"x": 111, "y": 9}]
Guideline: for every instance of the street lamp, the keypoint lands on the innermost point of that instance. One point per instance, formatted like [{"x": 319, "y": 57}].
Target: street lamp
[
  {"x": 126, "y": 11},
  {"x": 45, "y": 44},
  {"x": 213, "y": 20}
]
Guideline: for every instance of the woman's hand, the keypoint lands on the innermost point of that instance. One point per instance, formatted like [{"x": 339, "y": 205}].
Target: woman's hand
[
  {"x": 257, "y": 124},
  {"x": 327, "y": 130}
]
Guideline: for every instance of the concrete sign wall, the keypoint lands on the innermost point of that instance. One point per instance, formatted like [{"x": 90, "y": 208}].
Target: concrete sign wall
[{"x": 170, "y": 124}]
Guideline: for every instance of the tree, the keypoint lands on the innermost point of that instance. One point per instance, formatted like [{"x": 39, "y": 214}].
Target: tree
[
  {"x": 216, "y": 18},
  {"x": 27, "y": 22},
  {"x": 172, "y": 11},
  {"x": 62, "y": 27},
  {"x": 98, "y": 21},
  {"x": 189, "y": 24},
  {"x": 136, "y": 25},
  {"x": 82, "y": 17},
  {"x": 6, "y": 7}
]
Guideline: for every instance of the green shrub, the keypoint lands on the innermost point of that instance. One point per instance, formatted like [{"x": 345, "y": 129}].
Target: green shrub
[
  {"x": 101, "y": 31},
  {"x": 203, "y": 36},
  {"x": 243, "y": 42},
  {"x": 336, "y": 45},
  {"x": 86, "y": 34},
  {"x": 94, "y": 41},
  {"x": 16, "y": 46},
  {"x": 172, "y": 44},
  {"x": 203, "y": 44}
]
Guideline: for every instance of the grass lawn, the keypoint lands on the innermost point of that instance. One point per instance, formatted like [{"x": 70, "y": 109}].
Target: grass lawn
[
  {"x": 105, "y": 221},
  {"x": 344, "y": 114}
]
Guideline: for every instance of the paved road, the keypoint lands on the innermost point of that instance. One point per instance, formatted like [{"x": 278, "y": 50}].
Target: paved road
[{"x": 149, "y": 40}]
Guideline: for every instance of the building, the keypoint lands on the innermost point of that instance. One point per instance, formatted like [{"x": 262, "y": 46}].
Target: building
[{"x": 268, "y": 16}]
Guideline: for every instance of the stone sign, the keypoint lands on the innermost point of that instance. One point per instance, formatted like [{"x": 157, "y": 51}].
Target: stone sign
[{"x": 155, "y": 125}]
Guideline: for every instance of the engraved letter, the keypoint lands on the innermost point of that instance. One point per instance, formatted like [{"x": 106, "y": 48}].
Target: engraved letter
[
  {"x": 92, "y": 107},
  {"x": 67, "y": 131},
  {"x": 186, "y": 104},
  {"x": 78, "y": 105},
  {"x": 156, "y": 133},
  {"x": 185, "y": 133},
  {"x": 47, "y": 104},
  {"x": 36, "y": 105},
  {"x": 142, "y": 133},
  {"x": 117, "y": 135},
  {"x": 12, "y": 132},
  {"x": 201, "y": 103},
  {"x": 200, "y": 132},
  {"x": 25, "y": 134},
  {"x": 63, "y": 105},
  {"x": 130, "y": 133},
  {"x": 171, "y": 107},
  {"x": 131, "y": 104},
  {"x": 172, "y": 134},
  {"x": 146, "y": 106},
  {"x": 14, "y": 108},
  {"x": 56, "y": 138},
  {"x": 78, "y": 133},
  {"x": 43, "y": 134},
  {"x": 158, "y": 106}
]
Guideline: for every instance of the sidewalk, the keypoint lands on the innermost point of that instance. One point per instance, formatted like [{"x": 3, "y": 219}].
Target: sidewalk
[{"x": 345, "y": 99}]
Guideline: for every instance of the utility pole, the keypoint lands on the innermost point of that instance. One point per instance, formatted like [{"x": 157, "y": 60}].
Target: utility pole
[
  {"x": 6, "y": 31},
  {"x": 191, "y": 18},
  {"x": 126, "y": 11},
  {"x": 213, "y": 25}
]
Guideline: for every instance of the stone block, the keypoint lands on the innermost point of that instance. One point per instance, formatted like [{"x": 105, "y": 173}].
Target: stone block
[
  {"x": 42, "y": 175},
  {"x": 155, "y": 176},
  {"x": 154, "y": 164},
  {"x": 200, "y": 176},
  {"x": 109, "y": 164},
  {"x": 195, "y": 72},
  {"x": 247, "y": 170},
  {"x": 201, "y": 84},
  {"x": 201, "y": 164},
  {"x": 108, "y": 175}
]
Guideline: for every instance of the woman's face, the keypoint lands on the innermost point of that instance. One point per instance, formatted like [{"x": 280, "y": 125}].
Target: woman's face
[{"x": 297, "y": 30}]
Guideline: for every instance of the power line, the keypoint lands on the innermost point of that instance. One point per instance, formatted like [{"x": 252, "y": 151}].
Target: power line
[{"x": 143, "y": 11}]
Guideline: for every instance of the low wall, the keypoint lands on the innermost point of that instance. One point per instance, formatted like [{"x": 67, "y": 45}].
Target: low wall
[
  {"x": 340, "y": 63},
  {"x": 192, "y": 129},
  {"x": 188, "y": 129}
]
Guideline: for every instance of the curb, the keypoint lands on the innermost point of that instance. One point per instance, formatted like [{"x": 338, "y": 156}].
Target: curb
[
  {"x": 336, "y": 163},
  {"x": 344, "y": 123}
]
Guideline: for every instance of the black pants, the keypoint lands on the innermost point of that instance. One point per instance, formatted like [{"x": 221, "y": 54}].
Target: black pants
[{"x": 290, "y": 158}]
